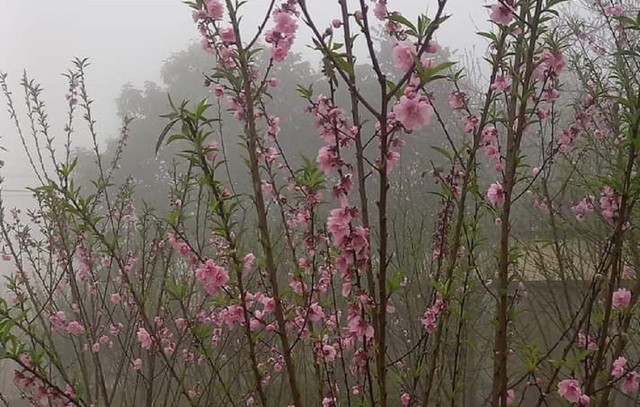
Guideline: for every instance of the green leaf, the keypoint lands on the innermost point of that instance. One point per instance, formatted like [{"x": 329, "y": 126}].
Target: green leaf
[{"x": 402, "y": 20}]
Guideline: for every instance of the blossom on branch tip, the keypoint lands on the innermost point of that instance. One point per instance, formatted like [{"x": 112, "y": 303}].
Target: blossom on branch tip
[
  {"x": 621, "y": 298},
  {"x": 413, "y": 113},
  {"x": 569, "y": 389},
  {"x": 501, "y": 14}
]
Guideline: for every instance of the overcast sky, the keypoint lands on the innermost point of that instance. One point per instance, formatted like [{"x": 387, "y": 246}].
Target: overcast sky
[{"x": 127, "y": 40}]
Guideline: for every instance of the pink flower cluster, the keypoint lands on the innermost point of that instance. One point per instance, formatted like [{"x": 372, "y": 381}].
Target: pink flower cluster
[
  {"x": 413, "y": 112},
  {"x": 550, "y": 65},
  {"x": 621, "y": 298},
  {"x": 380, "y": 9},
  {"x": 404, "y": 54},
  {"x": 630, "y": 383},
  {"x": 430, "y": 316},
  {"x": 211, "y": 12},
  {"x": 212, "y": 276},
  {"x": 582, "y": 121},
  {"x": 353, "y": 241},
  {"x": 610, "y": 202},
  {"x": 501, "y": 14},
  {"x": 58, "y": 320},
  {"x": 586, "y": 341},
  {"x": 31, "y": 379},
  {"x": 570, "y": 390},
  {"x": 619, "y": 367},
  {"x": 457, "y": 100},
  {"x": 214, "y": 9},
  {"x": 334, "y": 131},
  {"x": 491, "y": 145},
  {"x": 583, "y": 208},
  {"x": 182, "y": 248},
  {"x": 282, "y": 35},
  {"x": 630, "y": 380},
  {"x": 614, "y": 10},
  {"x": 326, "y": 352},
  {"x": 144, "y": 338},
  {"x": 501, "y": 83},
  {"x": 495, "y": 194}
]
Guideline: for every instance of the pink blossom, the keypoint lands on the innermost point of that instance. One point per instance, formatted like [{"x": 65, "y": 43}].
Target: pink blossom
[
  {"x": 490, "y": 142},
  {"x": 380, "y": 9},
  {"x": 267, "y": 187},
  {"x": 586, "y": 341},
  {"x": 58, "y": 319},
  {"x": 583, "y": 208},
  {"x": 550, "y": 95},
  {"x": 215, "y": 10},
  {"x": 144, "y": 338},
  {"x": 432, "y": 47},
  {"x": 430, "y": 316},
  {"x": 470, "y": 123},
  {"x": 227, "y": 35},
  {"x": 75, "y": 328},
  {"x": 282, "y": 35},
  {"x": 329, "y": 402},
  {"x": 584, "y": 400},
  {"x": 315, "y": 312},
  {"x": 501, "y": 14},
  {"x": 630, "y": 383},
  {"x": 614, "y": 10},
  {"x": 218, "y": 90},
  {"x": 329, "y": 353},
  {"x": 413, "y": 113},
  {"x": 501, "y": 83},
  {"x": 511, "y": 397},
  {"x": 327, "y": 159},
  {"x": 247, "y": 263},
  {"x": 116, "y": 298},
  {"x": 628, "y": 272},
  {"x": 457, "y": 100},
  {"x": 404, "y": 53},
  {"x": 278, "y": 54},
  {"x": 338, "y": 224},
  {"x": 569, "y": 389},
  {"x": 405, "y": 398},
  {"x": 619, "y": 367},
  {"x": 359, "y": 328},
  {"x": 212, "y": 276},
  {"x": 285, "y": 23},
  {"x": 610, "y": 202},
  {"x": 336, "y": 23},
  {"x": 27, "y": 361},
  {"x": 393, "y": 157},
  {"x": 212, "y": 151},
  {"x": 552, "y": 63},
  {"x": 621, "y": 298},
  {"x": 115, "y": 330},
  {"x": 137, "y": 364},
  {"x": 495, "y": 194}
]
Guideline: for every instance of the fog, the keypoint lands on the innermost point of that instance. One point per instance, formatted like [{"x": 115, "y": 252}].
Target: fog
[{"x": 127, "y": 41}]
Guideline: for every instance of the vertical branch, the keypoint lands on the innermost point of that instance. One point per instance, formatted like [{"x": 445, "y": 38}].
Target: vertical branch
[{"x": 261, "y": 212}]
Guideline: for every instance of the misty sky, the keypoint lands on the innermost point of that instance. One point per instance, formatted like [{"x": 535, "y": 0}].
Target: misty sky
[{"x": 127, "y": 40}]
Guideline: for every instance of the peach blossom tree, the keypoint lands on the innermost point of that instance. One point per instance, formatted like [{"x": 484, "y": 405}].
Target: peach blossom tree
[{"x": 315, "y": 285}]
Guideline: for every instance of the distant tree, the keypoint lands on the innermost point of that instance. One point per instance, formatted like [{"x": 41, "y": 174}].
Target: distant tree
[{"x": 184, "y": 77}]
